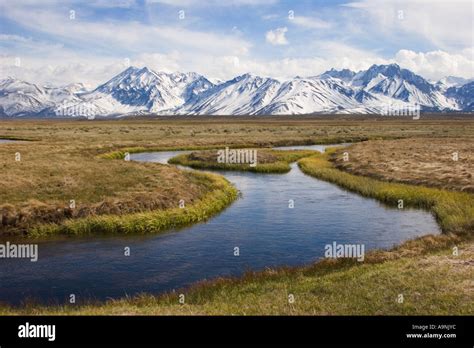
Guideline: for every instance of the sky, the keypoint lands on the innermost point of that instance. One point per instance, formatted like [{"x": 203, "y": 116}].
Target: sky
[{"x": 90, "y": 41}]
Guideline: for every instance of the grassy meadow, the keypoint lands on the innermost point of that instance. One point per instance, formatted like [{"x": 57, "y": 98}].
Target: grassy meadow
[
  {"x": 391, "y": 160},
  {"x": 268, "y": 160},
  {"x": 446, "y": 163},
  {"x": 453, "y": 210},
  {"x": 72, "y": 160}
]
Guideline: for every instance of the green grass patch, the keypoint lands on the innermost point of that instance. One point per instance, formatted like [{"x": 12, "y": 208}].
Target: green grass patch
[
  {"x": 454, "y": 211},
  {"x": 222, "y": 194},
  {"x": 120, "y": 154},
  {"x": 432, "y": 280},
  {"x": 436, "y": 283},
  {"x": 274, "y": 161}
]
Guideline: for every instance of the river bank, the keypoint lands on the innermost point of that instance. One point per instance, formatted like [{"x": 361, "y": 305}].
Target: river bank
[{"x": 424, "y": 270}]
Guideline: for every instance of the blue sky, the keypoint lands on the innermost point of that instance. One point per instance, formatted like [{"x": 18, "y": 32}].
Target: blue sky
[{"x": 54, "y": 41}]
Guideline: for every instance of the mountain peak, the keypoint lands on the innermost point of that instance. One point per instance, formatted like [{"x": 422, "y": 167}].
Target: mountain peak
[
  {"x": 388, "y": 70},
  {"x": 131, "y": 69},
  {"x": 453, "y": 81},
  {"x": 144, "y": 70},
  {"x": 393, "y": 81},
  {"x": 245, "y": 76},
  {"x": 385, "y": 69},
  {"x": 140, "y": 89},
  {"x": 344, "y": 74}
]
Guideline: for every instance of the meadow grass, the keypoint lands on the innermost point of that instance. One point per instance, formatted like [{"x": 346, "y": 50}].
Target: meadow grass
[
  {"x": 220, "y": 196},
  {"x": 275, "y": 161},
  {"x": 424, "y": 270},
  {"x": 120, "y": 154},
  {"x": 453, "y": 210},
  {"x": 431, "y": 278},
  {"x": 446, "y": 163}
]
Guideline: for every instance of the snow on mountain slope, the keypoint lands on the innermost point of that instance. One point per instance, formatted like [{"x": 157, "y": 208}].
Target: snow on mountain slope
[
  {"x": 345, "y": 75},
  {"x": 451, "y": 81},
  {"x": 464, "y": 96},
  {"x": 143, "y": 91},
  {"x": 311, "y": 95},
  {"x": 22, "y": 98},
  {"x": 401, "y": 85},
  {"x": 245, "y": 94},
  {"x": 69, "y": 93}
]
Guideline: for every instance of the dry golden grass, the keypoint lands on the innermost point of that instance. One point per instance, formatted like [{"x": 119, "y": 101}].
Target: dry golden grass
[
  {"x": 431, "y": 278},
  {"x": 62, "y": 161},
  {"x": 454, "y": 211},
  {"x": 36, "y": 192},
  {"x": 420, "y": 161}
]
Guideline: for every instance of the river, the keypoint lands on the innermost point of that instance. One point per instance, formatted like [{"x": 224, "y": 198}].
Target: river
[{"x": 266, "y": 231}]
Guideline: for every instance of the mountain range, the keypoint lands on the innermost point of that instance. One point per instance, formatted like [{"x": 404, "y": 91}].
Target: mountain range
[{"x": 142, "y": 91}]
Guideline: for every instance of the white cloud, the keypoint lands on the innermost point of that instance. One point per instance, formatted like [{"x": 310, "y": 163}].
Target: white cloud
[
  {"x": 337, "y": 56},
  {"x": 159, "y": 61},
  {"x": 126, "y": 36},
  {"x": 277, "y": 36},
  {"x": 190, "y": 3},
  {"x": 310, "y": 22},
  {"x": 68, "y": 67},
  {"x": 269, "y": 17},
  {"x": 437, "y": 64},
  {"x": 13, "y": 38},
  {"x": 73, "y": 51},
  {"x": 111, "y": 4},
  {"x": 447, "y": 25}
]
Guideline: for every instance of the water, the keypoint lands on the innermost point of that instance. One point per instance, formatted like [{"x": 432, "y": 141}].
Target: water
[
  {"x": 7, "y": 141},
  {"x": 267, "y": 232}
]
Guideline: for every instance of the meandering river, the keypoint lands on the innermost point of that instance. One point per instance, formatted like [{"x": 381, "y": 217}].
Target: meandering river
[{"x": 266, "y": 231}]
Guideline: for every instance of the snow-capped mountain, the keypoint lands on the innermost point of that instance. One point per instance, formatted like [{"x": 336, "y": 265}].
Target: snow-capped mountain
[
  {"x": 19, "y": 97},
  {"x": 345, "y": 75},
  {"x": 451, "y": 81},
  {"x": 245, "y": 94},
  {"x": 400, "y": 84},
  {"x": 136, "y": 90},
  {"x": 299, "y": 95},
  {"x": 464, "y": 96},
  {"x": 144, "y": 91}
]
